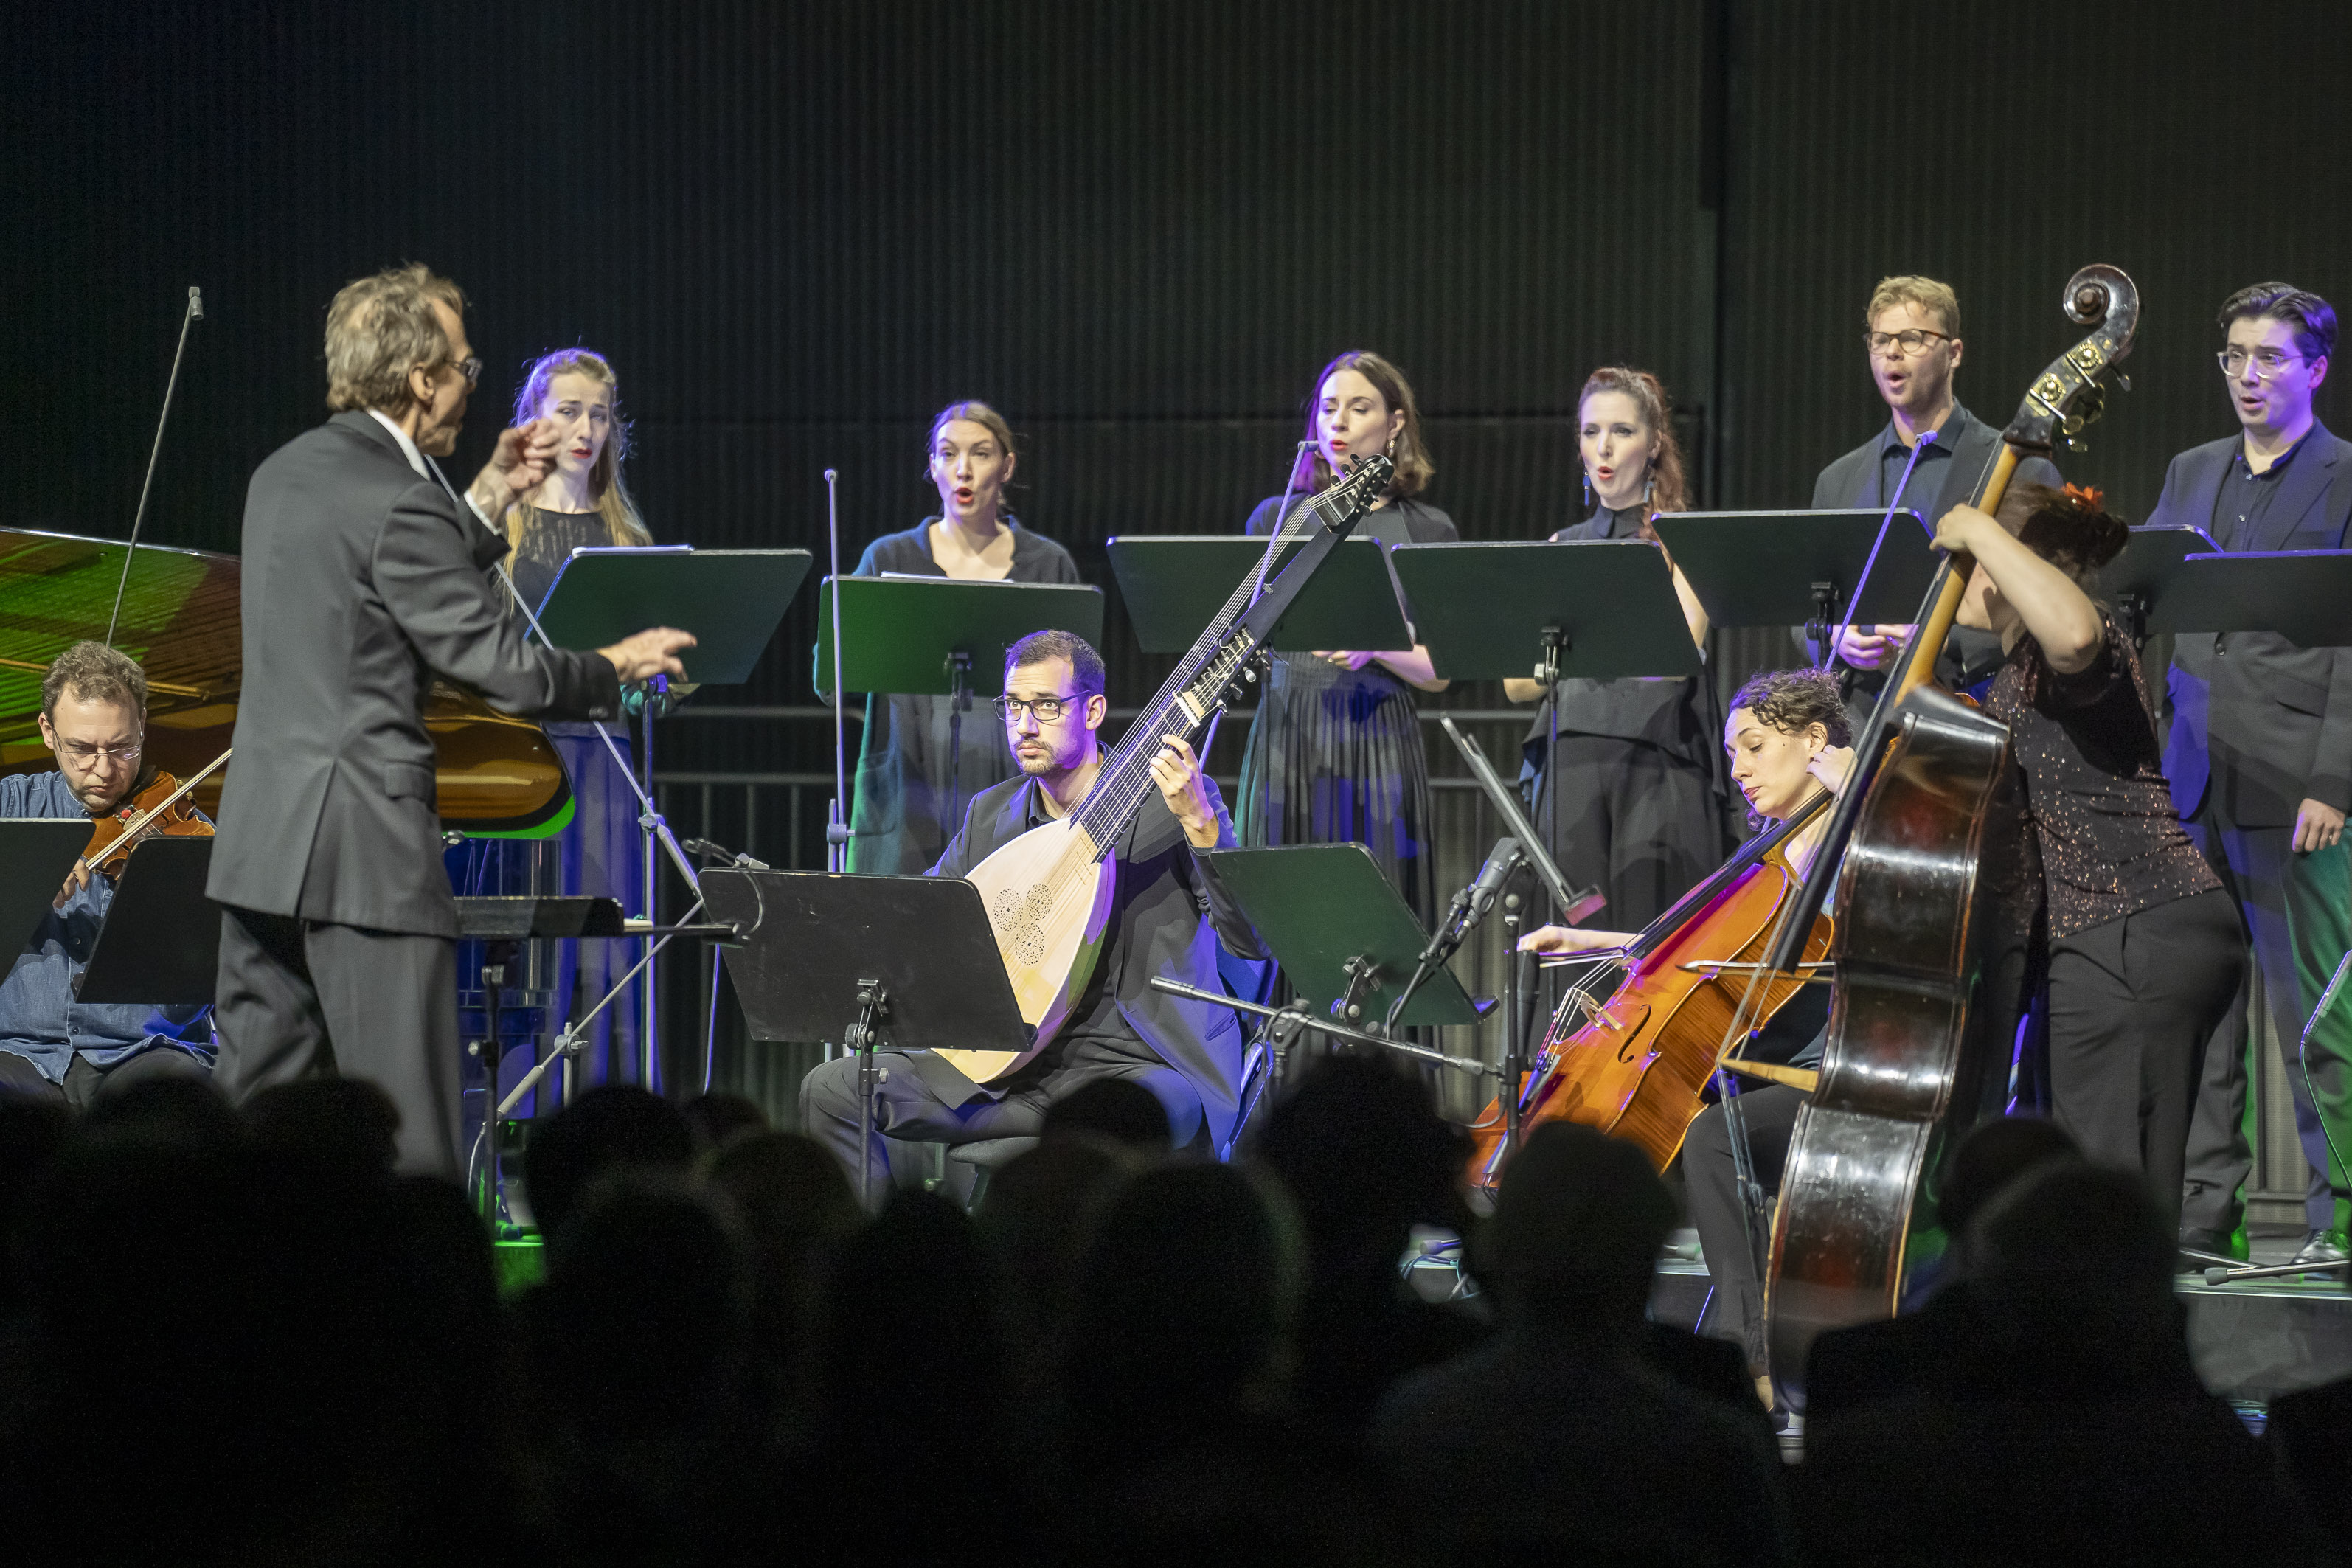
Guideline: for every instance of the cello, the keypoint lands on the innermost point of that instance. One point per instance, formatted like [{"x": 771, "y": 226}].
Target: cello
[
  {"x": 1936, "y": 890},
  {"x": 1636, "y": 1066}
]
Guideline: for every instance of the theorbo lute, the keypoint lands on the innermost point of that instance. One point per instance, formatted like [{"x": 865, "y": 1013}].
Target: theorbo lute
[{"x": 1049, "y": 891}]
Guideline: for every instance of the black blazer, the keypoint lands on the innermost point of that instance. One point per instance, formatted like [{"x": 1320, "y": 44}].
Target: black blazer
[
  {"x": 1852, "y": 481},
  {"x": 361, "y": 581},
  {"x": 1172, "y": 908},
  {"x": 2257, "y": 723}
]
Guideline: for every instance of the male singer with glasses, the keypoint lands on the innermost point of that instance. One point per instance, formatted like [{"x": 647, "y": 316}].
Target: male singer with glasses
[
  {"x": 52, "y": 1046},
  {"x": 1912, "y": 335},
  {"x": 2260, "y": 757},
  {"x": 1167, "y": 916}
]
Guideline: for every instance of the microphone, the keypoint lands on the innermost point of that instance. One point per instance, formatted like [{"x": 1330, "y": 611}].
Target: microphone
[
  {"x": 720, "y": 851},
  {"x": 1471, "y": 904},
  {"x": 196, "y": 304}
]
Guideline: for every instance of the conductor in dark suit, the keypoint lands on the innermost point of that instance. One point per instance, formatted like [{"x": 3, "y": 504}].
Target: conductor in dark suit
[
  {"x": 1168, "y": 915},
  {"x": 365, "y": 577},
  {"x": 2260, "y": 753},
  {"x": 1913, "y": 338}
]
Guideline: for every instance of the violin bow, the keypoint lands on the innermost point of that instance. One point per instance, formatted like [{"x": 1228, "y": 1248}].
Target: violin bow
[{"x": 139, "y": 821}]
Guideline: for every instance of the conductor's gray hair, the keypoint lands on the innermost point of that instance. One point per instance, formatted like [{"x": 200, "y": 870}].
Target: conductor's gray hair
[{"x": 379, "y": 329}]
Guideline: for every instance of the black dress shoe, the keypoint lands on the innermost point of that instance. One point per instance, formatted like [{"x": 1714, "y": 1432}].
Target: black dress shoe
[
  {"x": 2323, "y": 1247},
  {"x": 2213, "y": 1243}
]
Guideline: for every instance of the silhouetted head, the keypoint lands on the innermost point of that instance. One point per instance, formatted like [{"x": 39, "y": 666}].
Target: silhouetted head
[
  {"x": 1118, "y": 1109},
  {"x": 183, "y": 1106},
  {"x": 711, "y": 1120},
  {"x": 611, "y": 1126},
  {"x": 786, "y": 1187},
  {"x": 1035, "y": 1218},
  {"x": 1187, "y": 1296},
  {"x": 1576, "y": 1230},
  {"x": 1994, "y": 1155},
  {"x": 1365, "y": 1157},
  {"x": 648, "y": 1293},
  {"x": 348, "y": 1125},
  {"x": 916, "y": 1277},
  {"x": 2072, "y": 1266}
]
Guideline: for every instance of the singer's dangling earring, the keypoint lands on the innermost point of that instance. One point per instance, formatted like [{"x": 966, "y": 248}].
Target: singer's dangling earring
[
  {"x": 1588, "y": 490},
  {"x": 1649, "y": 489},
  {"x": 1392, "y": 447}
]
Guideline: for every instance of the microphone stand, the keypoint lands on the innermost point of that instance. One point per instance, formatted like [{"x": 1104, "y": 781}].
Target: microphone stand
[
  {"x": 195, "y": 312},
  {"x": 836, "y": 818}
]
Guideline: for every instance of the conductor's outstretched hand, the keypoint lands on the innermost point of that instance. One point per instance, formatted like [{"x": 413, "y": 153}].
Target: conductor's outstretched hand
[{"x": 648, "y": 654}]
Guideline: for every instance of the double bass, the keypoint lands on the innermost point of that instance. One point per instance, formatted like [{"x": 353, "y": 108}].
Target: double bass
[{"x": 1936, "y": 884}]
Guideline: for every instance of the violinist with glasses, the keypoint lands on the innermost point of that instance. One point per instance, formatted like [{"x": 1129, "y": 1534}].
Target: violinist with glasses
[{"x": 53, "y": 1047}]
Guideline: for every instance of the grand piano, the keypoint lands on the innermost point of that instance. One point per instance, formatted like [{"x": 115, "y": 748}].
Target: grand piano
[{"x": 182, "y": 621}]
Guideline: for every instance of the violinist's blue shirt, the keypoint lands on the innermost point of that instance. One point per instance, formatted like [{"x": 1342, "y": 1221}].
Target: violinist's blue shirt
[{"x": 40, "y": 1019}]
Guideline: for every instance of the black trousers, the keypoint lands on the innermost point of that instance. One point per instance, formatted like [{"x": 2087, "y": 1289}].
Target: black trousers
[
  {"x": 301, "y": 998},
  {"x": 2132, "y": 1005},
  {"x": 1711, "y": 1192},
  {"x": 86, "y": 1081},
  {"x": 1635, "y": 821},
  {"x": 925, "y": 1101},
  {"x": 2298, "y": 913}
]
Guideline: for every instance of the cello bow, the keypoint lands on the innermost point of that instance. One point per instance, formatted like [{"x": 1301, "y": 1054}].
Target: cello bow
[{"x": 1929, "y": 928}]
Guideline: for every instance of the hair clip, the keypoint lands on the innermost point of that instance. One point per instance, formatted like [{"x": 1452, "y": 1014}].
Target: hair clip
[{"x": 2088, "y": 496}]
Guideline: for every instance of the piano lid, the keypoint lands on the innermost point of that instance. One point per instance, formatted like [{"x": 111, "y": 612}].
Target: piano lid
[{"x": 180, "y": 620}]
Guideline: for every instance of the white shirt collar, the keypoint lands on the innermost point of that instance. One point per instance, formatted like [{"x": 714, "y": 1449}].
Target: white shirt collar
[{"x": 407, "y": 448}]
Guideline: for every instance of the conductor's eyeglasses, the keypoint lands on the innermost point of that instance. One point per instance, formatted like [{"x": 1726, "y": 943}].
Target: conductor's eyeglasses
[
  {"x": 87, "y": 755},
  {"x": 1048, "y": 710}
]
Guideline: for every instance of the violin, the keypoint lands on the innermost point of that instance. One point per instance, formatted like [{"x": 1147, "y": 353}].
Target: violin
[
  {"x": 163, "y": 809},
  {"x": 1935, "y": 900}
]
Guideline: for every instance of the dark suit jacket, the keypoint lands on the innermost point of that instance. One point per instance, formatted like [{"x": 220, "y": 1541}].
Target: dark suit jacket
[
  {"x": 1171, "y": 911},
  {"x": 2260, "y": 723},
  {"x": 361, "y": 582},
  {"x": 1852, "y": 481}
]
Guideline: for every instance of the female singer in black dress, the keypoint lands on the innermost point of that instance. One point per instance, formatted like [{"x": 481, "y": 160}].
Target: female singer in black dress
[
  {"x": 1641, "y": 815},
  {"x": 1334, "y": 754},
  {"x": 912, "y": 786},
  {"x": 584, "y": 502},
  {"x": 2145, "y": 948}
]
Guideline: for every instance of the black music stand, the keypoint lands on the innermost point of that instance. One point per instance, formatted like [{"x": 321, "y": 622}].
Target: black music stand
[
  {"x": 2303, "y": 596},
  {"x": 1603, "y": 609},
  {"x": 906, "y": 964},
  {"x": 37, "y": 853},
  {"x": 943, "y": 637},
  {"x": 1800, "y": 568},
  {"x": 731, "y": 600},
  {"x": 2147, "y": 571},
  {"x": 160, "y": 944},
  {"x": 1174, "y": 584},
  {"x": 1339, "y": 930}
]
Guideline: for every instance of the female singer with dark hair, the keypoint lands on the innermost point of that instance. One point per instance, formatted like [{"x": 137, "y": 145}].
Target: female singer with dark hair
[
  {"x": 584, "y": 503},
  {"x": 1334, "y": 754},
  {"x": 912, "y": 786},
  {"x": 1787, "y": 739},
  {"x": 2145, "y": 948},
  {"x": 1641, "y": 815}
]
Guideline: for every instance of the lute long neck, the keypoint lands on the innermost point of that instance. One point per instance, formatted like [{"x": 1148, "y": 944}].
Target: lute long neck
[{"x": 1192, "y": 695}]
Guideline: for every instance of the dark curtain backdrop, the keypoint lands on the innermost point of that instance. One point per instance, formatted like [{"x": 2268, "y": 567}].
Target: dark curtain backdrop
[{"x": 798, "y": 230}]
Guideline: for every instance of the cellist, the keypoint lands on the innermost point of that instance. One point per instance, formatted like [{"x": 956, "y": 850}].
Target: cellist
[
  {"x": 1787, "y": 739},
  {"x": 94, "y": 718}
]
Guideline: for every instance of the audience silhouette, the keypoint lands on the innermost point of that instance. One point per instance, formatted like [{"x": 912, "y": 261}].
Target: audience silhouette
[
  {"x": 1559, "y": 1441},
  {"x": 290, "y": 1353}
]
